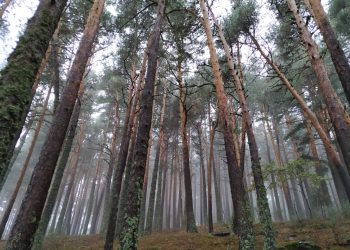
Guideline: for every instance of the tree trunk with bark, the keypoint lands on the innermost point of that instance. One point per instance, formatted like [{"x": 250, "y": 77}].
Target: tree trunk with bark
[
  {"x": 263, "y": 204},
  {"x": 17, "y": 78},
  {"x": 73, "y": 169},
  {"x": 111, "y": 163},
  {"x": 123, "y": 155},
  {"x": 96, "y": 180},
  {"x": 238, "y": 194},
  {"x": 151, "y": 200},
  {"x": 56, "y": 72},
  {"x": 190, "y": 219},
  {"x": 158, "y": 215},
  {"x": 213, "y": 125},
  {"x": 54, "y": 188},
  {"x": 204, "y": 183},
  {"x": 30, "y": 212},
  {"x": 323, "y": 194},
  {"x": 309, "y": 115},
  {"x": 338, "y": 56},
  {"x": 273, "y": 179},
  {"x": 279, "y": 164},
  {"x": 339, "y": 116},
  {"x": 12, "y": 199},
  {"x": 129, "y": 234}
]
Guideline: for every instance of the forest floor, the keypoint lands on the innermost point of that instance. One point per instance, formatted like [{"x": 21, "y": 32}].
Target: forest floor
[{"x": 325, "y": 234}]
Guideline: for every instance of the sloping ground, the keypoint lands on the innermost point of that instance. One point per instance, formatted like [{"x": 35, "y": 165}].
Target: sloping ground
[{"x": 327, "y": 235}]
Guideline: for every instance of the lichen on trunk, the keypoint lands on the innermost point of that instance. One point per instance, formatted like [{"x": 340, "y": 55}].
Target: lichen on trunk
[{"x": 18, "y": 77}]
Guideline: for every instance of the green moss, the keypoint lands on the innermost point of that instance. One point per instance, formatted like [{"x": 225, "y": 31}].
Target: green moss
[
  {"x": 302, "y": 246},
  {"x": 19, "y": 75},
  {"x": 129, "y": 234}
]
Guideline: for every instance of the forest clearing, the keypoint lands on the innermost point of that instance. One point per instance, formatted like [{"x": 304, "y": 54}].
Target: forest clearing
[{"x": 174, "y": 124}]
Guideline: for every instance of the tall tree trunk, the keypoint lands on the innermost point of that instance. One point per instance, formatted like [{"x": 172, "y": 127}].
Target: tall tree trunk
[
  {"x": 111, "y": 163},
  {"x": 96, "y": 180},
  {"x": 56, "y": 72},
  {"x": 279, "y": 163},
  {"x": 238, "y": 194},
  {"x": 190, "y": 219},
  {"x": 339, "y": 116},
  {"x": 217, "y": 186},
  {"x": 151, "y": 200},
  {"x": 169, "y": 197},
  {"x": 73, "y": 170},
  {"x": 95, "y": 218},
  {"x": 204, "y": 185},
  {"x": 18, "y": 149},
  {"x": 127, "y": 177},
  {"x": 263, "y": 204},
  {"x": 309, "y": 115},
  {"x": 161, "y": 189},
  {"x": 76, "y": 225},
  {"x": 17, "y": 78},
  {"x": 213, "y": 125},
  {"x": 129, "y": 235},
  {"x": 323, "y": 194},
  {"x": 30, "y": 212},
  {"x": 129, "y": 126},
  {"x": 25, "y": 164},
  {"x": 123, "y": 153},
  {"x": 176, "y": 223},
  {"x": 296, "y": 155},
  {"x": 339, "y": 59},
  {"x": 142, "y": 219},
  {"x": 53, "y": 192},
  {"x": 273, "y": 179},
  {"x": 284, "y": 178},
  {"x": 158, "y": 214}
]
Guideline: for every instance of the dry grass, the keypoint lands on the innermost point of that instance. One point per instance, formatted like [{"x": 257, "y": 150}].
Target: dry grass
[{"x": 324, "y": 233}]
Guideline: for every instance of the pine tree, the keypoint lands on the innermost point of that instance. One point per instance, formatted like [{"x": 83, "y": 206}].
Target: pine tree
[
  {"x": 18, "y": 77},
  {"x": 30, "y": 212}
]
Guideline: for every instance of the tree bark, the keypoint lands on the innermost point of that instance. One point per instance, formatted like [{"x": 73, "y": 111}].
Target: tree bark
[
  {"x": 17, "y": 78},
  {"x": 279, "y": 163},
  {"x": 273, "y": 179},
  {"x": 129, "y": 125},
  {"x": 53, "y": 192},
  {"x": 142, "y": 219},
  {"x": 339, "y": 59},
  {"x": 111, "y": 163},
  {"x": 323, "y": 194},
  {"x": 190, "y": 219},
  {"x": 151, "y": 200},
  {"x": 95, "y": 218},
  {"x": 210, "y": 169},
  {"x": 25, "y": 164},
  {"x": 309, "y": 115},
  {"x": 56, "y": 73},
  {"x": 127, "y": 176},
  {"x": 204, "y": 183},
  {"x": 129, "y": 235},
  {"x": 96, "y": 180},
  {"x": 30, "y": 212},
  {"x": 238, "y": 194},
  {"x": 339, "y": 116},
  {"x": 158, "y": 215},
  {"x": 74, "y": 166},
  {"x": 263, "y": 204}
]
